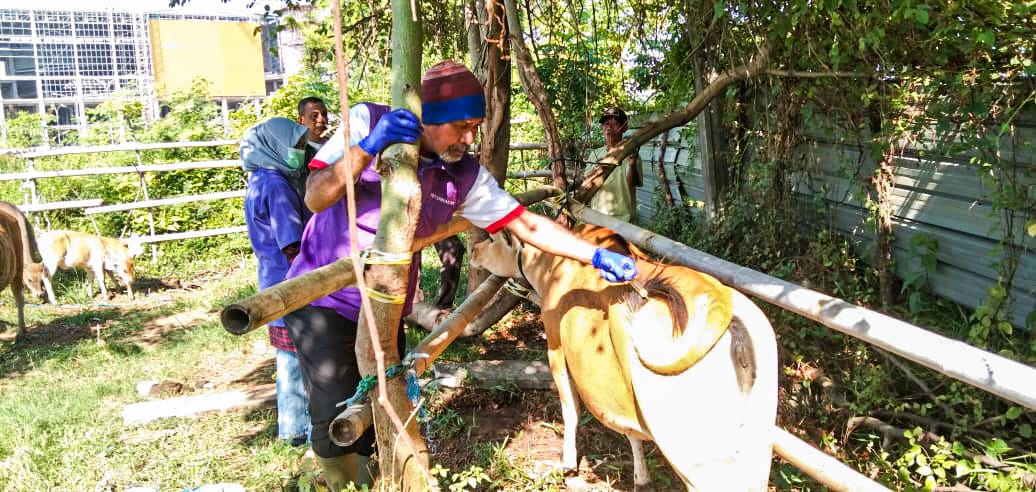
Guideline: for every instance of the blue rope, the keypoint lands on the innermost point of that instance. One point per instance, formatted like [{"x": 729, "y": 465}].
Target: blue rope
[{"x": 413, "y": 391}]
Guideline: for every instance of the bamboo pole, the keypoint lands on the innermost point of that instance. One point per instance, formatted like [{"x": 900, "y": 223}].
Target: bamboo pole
[
  {"x": 435, "y": 342},
  {"x": 267, "y": 305},
  {"x": 998, "y": 375},
  {"x": 822, "y": 467}
]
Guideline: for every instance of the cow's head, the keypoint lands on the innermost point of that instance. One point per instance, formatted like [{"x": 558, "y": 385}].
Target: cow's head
[
  {"x": 498, "y": 254},
  {"x": 32, "y": 277},
  {"x": 134, "y": 246}
]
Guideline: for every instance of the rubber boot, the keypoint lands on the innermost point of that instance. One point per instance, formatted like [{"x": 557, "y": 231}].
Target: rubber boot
[{"x": 341, "y": 471}]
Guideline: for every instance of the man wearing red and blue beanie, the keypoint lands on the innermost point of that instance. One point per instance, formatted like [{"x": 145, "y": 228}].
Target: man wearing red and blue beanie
[{"x": 452, "y": 182}]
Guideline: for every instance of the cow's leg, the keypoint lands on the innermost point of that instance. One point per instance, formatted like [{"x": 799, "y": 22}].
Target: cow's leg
[
  {"x": 641, "y": 476},
  {"x": 569, "y": 407},
  {"x": 128, "y": 280},
  {"x": 96, "y": 271},
  {"x": 50, "y": 290}
]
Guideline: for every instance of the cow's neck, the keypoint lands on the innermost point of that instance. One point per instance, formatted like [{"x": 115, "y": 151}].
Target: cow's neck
[{"x": 535, "y": 265}]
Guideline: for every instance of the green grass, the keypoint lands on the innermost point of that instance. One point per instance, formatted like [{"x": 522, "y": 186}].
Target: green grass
[{"x": 63, "y": 398}]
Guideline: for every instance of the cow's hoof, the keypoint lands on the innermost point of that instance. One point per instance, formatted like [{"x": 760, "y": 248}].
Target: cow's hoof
[
  {"x": 643, "y": 488},
  {"x": 576, "y": 484}
]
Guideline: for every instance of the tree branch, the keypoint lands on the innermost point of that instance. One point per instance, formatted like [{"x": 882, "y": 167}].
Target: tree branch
[{"x": 593, "y": 181}]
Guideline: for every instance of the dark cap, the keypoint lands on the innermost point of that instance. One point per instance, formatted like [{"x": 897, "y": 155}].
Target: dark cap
[{"x": 614, "y": 113}]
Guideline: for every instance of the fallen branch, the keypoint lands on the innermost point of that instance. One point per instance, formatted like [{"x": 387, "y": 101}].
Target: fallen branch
[{"x": 916, "y": 380}]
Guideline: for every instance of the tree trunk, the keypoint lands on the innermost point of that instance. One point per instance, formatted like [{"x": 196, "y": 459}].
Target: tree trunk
[
  {"x": 403, "y": 462},
  {"x": 494, "y": 70},
  {"x": 663, "y": 179},
  {"x": 881, "y": 182},
  {"x": 537, "y": 94}
]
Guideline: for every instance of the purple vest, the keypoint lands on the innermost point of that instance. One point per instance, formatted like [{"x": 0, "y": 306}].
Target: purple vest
[{"x": 326, "y": 237}]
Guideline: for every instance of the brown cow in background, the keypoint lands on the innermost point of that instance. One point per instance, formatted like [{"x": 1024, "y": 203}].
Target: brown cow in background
[
  {"x": 32, "y": 270},
  {"x": 11, "y": 262}
]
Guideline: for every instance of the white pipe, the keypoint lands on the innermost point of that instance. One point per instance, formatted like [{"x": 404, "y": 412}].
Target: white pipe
[
  {"x": 157, "y": 238},
  {"x": 164, "y": 201},
  {"x": 94, "y": 171},
  {"x": 998, "y": 375},
  {"x": 125, "y": 147},
  {"x": 819, "y": 465}
]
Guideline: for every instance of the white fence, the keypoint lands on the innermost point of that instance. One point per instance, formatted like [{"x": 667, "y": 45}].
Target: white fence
[{"x": 32, "y": 203}]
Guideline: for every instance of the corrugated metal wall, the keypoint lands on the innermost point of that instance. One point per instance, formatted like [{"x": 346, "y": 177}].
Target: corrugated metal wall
[
  {"x": 941, "y": 196},
  {"x": 682, "y": 167}
]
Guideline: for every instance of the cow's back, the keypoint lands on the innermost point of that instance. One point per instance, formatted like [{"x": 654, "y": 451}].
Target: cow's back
[
  {"x": 65, "y": 249},
  {"x": 24, "y": 230},
  {"x": 11, "y": 261}
]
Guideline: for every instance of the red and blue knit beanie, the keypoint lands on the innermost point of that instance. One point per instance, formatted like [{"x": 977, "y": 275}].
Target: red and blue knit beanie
[{"x": 450, "y": 92}]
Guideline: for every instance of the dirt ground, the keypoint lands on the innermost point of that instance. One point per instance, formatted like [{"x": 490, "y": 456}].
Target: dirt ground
[{"x": 528, "y": 425}]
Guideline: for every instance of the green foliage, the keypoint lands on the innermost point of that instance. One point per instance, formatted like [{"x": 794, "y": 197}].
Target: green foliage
[
  {"x": 117, "y": 120},
  {"x": 23, "y": 130},
  {"x": 464, "y": 480},
  {"x": 192, "y": 116},
  {"x": 304, "y": 84}
]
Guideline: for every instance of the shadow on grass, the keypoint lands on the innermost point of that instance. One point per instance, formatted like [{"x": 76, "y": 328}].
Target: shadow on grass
[
  {"x": 261, "y": 374},
  {"x": 125, "y": 331},
  {"x": 261, "y": 436}
]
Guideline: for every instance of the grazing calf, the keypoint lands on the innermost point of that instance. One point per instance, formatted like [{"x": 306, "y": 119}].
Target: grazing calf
[
  {"x": 11, "y": 265},
  {"x": 96, "y": 254},
  {"x": 692, "y": 367},
  {"x": 32, "y": 272}
]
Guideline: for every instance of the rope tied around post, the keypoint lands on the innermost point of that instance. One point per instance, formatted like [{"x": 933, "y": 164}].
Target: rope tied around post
[
  {"x": 408, "y": 368},
  {"x": 371, "y": 256}
]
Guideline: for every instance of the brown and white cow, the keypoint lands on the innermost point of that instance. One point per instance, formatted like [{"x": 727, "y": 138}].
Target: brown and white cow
[
  {"x": 96, "y": 254},
  {"x": 693, "y": 367}
]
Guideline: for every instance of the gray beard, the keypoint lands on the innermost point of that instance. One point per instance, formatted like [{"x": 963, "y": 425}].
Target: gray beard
[{"x": 449, "y": 157}]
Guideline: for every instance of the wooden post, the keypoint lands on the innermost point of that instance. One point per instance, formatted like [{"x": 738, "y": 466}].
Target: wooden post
[
  {"x": 712, "y": 167},
  {"x": 663, "y": 179},
  {"x": 403, "y": 454},
  {"x": 150, "y": 215}
]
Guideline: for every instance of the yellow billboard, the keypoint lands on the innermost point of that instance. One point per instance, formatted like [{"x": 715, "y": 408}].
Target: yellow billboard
[{"x": 227, "y": 54}]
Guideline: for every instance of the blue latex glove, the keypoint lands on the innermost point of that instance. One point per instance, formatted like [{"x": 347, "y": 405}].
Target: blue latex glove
[
  {"x": 614, "y": 267},
  {"x": 397, "y": 126}
]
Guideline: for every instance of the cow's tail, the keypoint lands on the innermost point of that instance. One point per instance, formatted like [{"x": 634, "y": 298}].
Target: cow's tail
[
  {"x": 742, "y": 353},
  {"x": 666, "y": 339}
]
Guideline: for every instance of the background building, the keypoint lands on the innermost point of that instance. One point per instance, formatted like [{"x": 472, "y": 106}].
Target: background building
[{"x": 61, "y": 63}]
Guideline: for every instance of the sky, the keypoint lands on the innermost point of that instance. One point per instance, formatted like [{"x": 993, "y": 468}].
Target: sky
[{"x": 237, "y": 7}]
